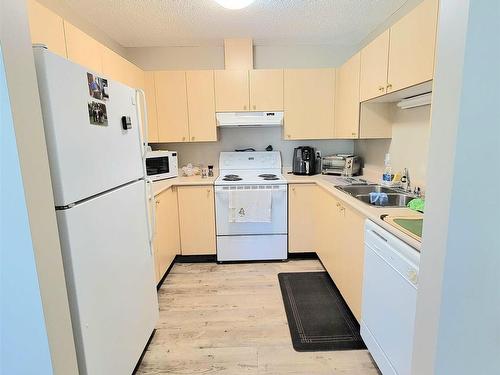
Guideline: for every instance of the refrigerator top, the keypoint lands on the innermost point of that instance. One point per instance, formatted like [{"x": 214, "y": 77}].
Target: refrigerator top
[{"x": 91, "y": 128}]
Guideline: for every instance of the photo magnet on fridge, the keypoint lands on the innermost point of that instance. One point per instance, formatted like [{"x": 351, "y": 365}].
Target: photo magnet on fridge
[
  {"x": 98, "y": 87},
  {"x": 97, "y": 113}
]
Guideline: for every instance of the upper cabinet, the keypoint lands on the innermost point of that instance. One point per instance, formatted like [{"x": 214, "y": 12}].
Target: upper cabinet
[
  {"x": 402, "y": 56},
  {"x": 119, "y": 69},
  {"x": 201, "y": 105},
  {"x": 266, "y": 90},
  {"x": 46, "y": 28},
  {"x": 309, "y": 103},
  {"x": 231, "y": 90},
  {"x": 347, "y": 99},
  {"x": 171, "y": 106},
  {"x": 149, "y": 90},
  {"x": 374, "y": 63},
  {"x": 82, "y": 49},
  {"x": 412, "y": 46}
]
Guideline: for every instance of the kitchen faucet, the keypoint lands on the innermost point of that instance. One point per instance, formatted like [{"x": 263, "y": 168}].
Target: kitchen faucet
[{"x": 406, "y": 180}]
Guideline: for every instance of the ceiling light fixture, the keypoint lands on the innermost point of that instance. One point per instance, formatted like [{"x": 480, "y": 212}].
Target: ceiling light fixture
[{"x": 234, "y": 4}]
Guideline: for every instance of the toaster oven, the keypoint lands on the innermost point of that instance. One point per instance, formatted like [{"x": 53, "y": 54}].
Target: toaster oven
[{"x": 341, "y": 164}]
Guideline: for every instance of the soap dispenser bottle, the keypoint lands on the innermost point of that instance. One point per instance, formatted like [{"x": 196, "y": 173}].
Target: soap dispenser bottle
[{"x": 387, "y": 176}]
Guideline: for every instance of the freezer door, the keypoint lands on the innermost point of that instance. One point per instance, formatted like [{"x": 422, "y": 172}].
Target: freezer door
[
  {"x": 110, "y": 279},
  {"x": 86, "y": 158}
]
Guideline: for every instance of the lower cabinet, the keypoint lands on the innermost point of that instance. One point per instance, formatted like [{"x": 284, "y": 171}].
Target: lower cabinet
[
  {"x": 339, "y": 238},
  {"x": 167, "y": 240},
  {"x": 300, "y": 222},
  {"x": 197, "y": 219}
]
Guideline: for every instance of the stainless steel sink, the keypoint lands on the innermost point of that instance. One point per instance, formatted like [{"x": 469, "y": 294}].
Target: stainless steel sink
[{"x": 395, "y": 198}]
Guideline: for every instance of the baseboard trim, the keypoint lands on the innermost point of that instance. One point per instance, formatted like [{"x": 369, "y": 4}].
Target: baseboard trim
[
  {"x": 143, "y": 352},
  {"x": 307, "y": 255}
]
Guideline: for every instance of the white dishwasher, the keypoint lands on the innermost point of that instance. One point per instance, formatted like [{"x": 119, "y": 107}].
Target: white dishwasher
[{"x": 389, "y": 299}]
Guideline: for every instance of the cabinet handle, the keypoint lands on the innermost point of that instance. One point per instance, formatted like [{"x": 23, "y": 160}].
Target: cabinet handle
[
  {"x": 254, "y": 106},
  {"x": 192, "y": 138},
  {"x": 354, "y": 134},
  {"x": 288, "y": 135},
  {"x": 293, "y": 189},
  {"x": 381, "y": 88},
  {"x": 183, "y": 138},
  {"x": 245, "y": 107},
  {"x": 389, "y": 86}
]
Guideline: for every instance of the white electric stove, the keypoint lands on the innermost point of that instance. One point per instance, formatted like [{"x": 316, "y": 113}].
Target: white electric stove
[{"x": 242, "y": 173}]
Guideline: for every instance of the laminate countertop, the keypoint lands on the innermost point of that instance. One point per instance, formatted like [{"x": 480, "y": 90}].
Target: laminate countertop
[
  {"x": 327, "y": 183},
  {"x": 371, "y": 212},
  {"x": 159, "y": 186}
]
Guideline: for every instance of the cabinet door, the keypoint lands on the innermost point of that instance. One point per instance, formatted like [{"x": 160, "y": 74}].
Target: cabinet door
[
  {"x": 309, "y": 103},
  {"x": 326, "y": 228},
  {"x": 167, "y": 240},
  {"x": 412, "y": 46},
  {"x": 197, "y": 219},
  {"x": 150, "y": 91},
  {"x": 46, "y": 27},
  {"x": 171, "y": 106},
  {"x": 347, "y": 99},
  {"x": 350, "y": 258},
  {"x": 374, "y": 63},
  {"x": 82, "y": 49},
  {"x": 300, "y": 225},
  {"x": 231, "y": 90},
  {"x": 201, "y": 105},
  {"x": 266, "y": 90}
]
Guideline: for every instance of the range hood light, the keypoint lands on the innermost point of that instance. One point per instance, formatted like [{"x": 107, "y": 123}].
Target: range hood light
[
  {"x": 234, "y": 4},
  {"x": 415, "y": 101}
]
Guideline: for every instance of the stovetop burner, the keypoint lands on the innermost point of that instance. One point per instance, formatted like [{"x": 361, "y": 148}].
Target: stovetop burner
[
  {"x": 232, "y": 177},
  {"x": 268, "y": 176}
]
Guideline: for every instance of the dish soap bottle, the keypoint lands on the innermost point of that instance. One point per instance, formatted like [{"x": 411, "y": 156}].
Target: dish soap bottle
[{"x": 387, "y": 176}]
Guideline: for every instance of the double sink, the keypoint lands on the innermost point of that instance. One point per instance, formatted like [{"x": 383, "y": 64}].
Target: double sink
[{"x": 396, "y": 198}]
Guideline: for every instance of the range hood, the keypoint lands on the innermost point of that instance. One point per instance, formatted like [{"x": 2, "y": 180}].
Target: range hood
[{"x": 249, "y": 119}]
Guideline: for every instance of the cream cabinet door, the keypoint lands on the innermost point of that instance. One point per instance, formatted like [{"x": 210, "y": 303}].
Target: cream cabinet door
[
  {"x": 347, "y": 99},
  {"x": 348, "y": 274},
  {"x": 171, "y": 106},
  {"x": 300, "y": 226},
  {"x": 309, "y": 103},
  {"x": 374, "y": 62},
  {"x": 167, "y": 240},
  {"x": 197, "y": 220},
  {"x": 82, "y": 49},
  {"x": 412, "y": 46},
  {"x": 46, "y": 27},
  {"x": 231, "y": 90},
  {"x": 201, "y": 105},
  {"x": 326, "y": 228},
  {"x": 150, "y": 92},
  {"x": 266, "y": 90}
]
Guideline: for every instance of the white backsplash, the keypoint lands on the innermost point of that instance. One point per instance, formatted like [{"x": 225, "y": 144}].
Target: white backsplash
[{"x": 207, "y": 153}]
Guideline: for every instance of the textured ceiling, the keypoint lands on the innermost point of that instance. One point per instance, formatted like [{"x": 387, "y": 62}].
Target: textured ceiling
[{"x": 144, "y": 23}]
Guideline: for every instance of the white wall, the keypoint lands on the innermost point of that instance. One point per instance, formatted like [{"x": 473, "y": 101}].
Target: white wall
[
  {"x": 207, "y": 153},
  {"x": 458, "y": 305},
  {"x": 32, "y": 152},
  {"x": 212, "y": 57},
  {"x": 408, "y": 147}
]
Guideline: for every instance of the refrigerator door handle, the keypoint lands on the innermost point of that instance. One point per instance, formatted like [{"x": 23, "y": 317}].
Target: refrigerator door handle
[
  {"x": 151, "y": 218},
  {"x": 143, "y": 128}
]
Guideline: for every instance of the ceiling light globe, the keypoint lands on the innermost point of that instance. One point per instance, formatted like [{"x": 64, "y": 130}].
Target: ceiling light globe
[{"x": 234, "y": 4}]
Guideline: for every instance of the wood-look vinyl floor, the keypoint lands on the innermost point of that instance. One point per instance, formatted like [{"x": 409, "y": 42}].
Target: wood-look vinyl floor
[{"x": 230, "y": 319}]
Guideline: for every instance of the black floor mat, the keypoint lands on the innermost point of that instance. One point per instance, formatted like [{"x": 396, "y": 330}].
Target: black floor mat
[{"x": 318, "y": 317}]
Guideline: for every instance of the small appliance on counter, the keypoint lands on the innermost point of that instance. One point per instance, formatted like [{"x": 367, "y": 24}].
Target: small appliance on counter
[
  {"x": 304, "y": 161},
  {"x": 161, "y": 165},
  {"x": 341, "y": 164}
]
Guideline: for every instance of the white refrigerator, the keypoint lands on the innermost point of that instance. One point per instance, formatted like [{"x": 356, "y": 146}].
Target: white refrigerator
[{"x": 95, "y": 151}]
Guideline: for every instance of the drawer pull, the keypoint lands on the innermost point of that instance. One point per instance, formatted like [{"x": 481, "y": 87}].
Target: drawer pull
[{"x": 379, "y": 236}]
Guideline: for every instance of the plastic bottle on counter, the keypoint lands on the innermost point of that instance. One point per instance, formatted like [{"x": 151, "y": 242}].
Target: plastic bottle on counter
[{"x": 388, "y": 175}]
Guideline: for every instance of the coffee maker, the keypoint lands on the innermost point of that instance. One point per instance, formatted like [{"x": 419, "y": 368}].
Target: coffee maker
[{"x": 304, "y": 161}]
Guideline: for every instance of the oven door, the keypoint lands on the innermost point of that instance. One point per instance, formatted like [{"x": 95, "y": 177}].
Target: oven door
[{"x": 278, "y": 224}]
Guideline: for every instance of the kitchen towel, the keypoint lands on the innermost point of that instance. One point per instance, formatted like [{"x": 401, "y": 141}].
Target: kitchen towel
[{"x": 250, "y": 206}]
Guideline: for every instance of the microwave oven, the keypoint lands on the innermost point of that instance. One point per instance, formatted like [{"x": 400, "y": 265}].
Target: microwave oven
[{"x": 161, "y": 165}]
